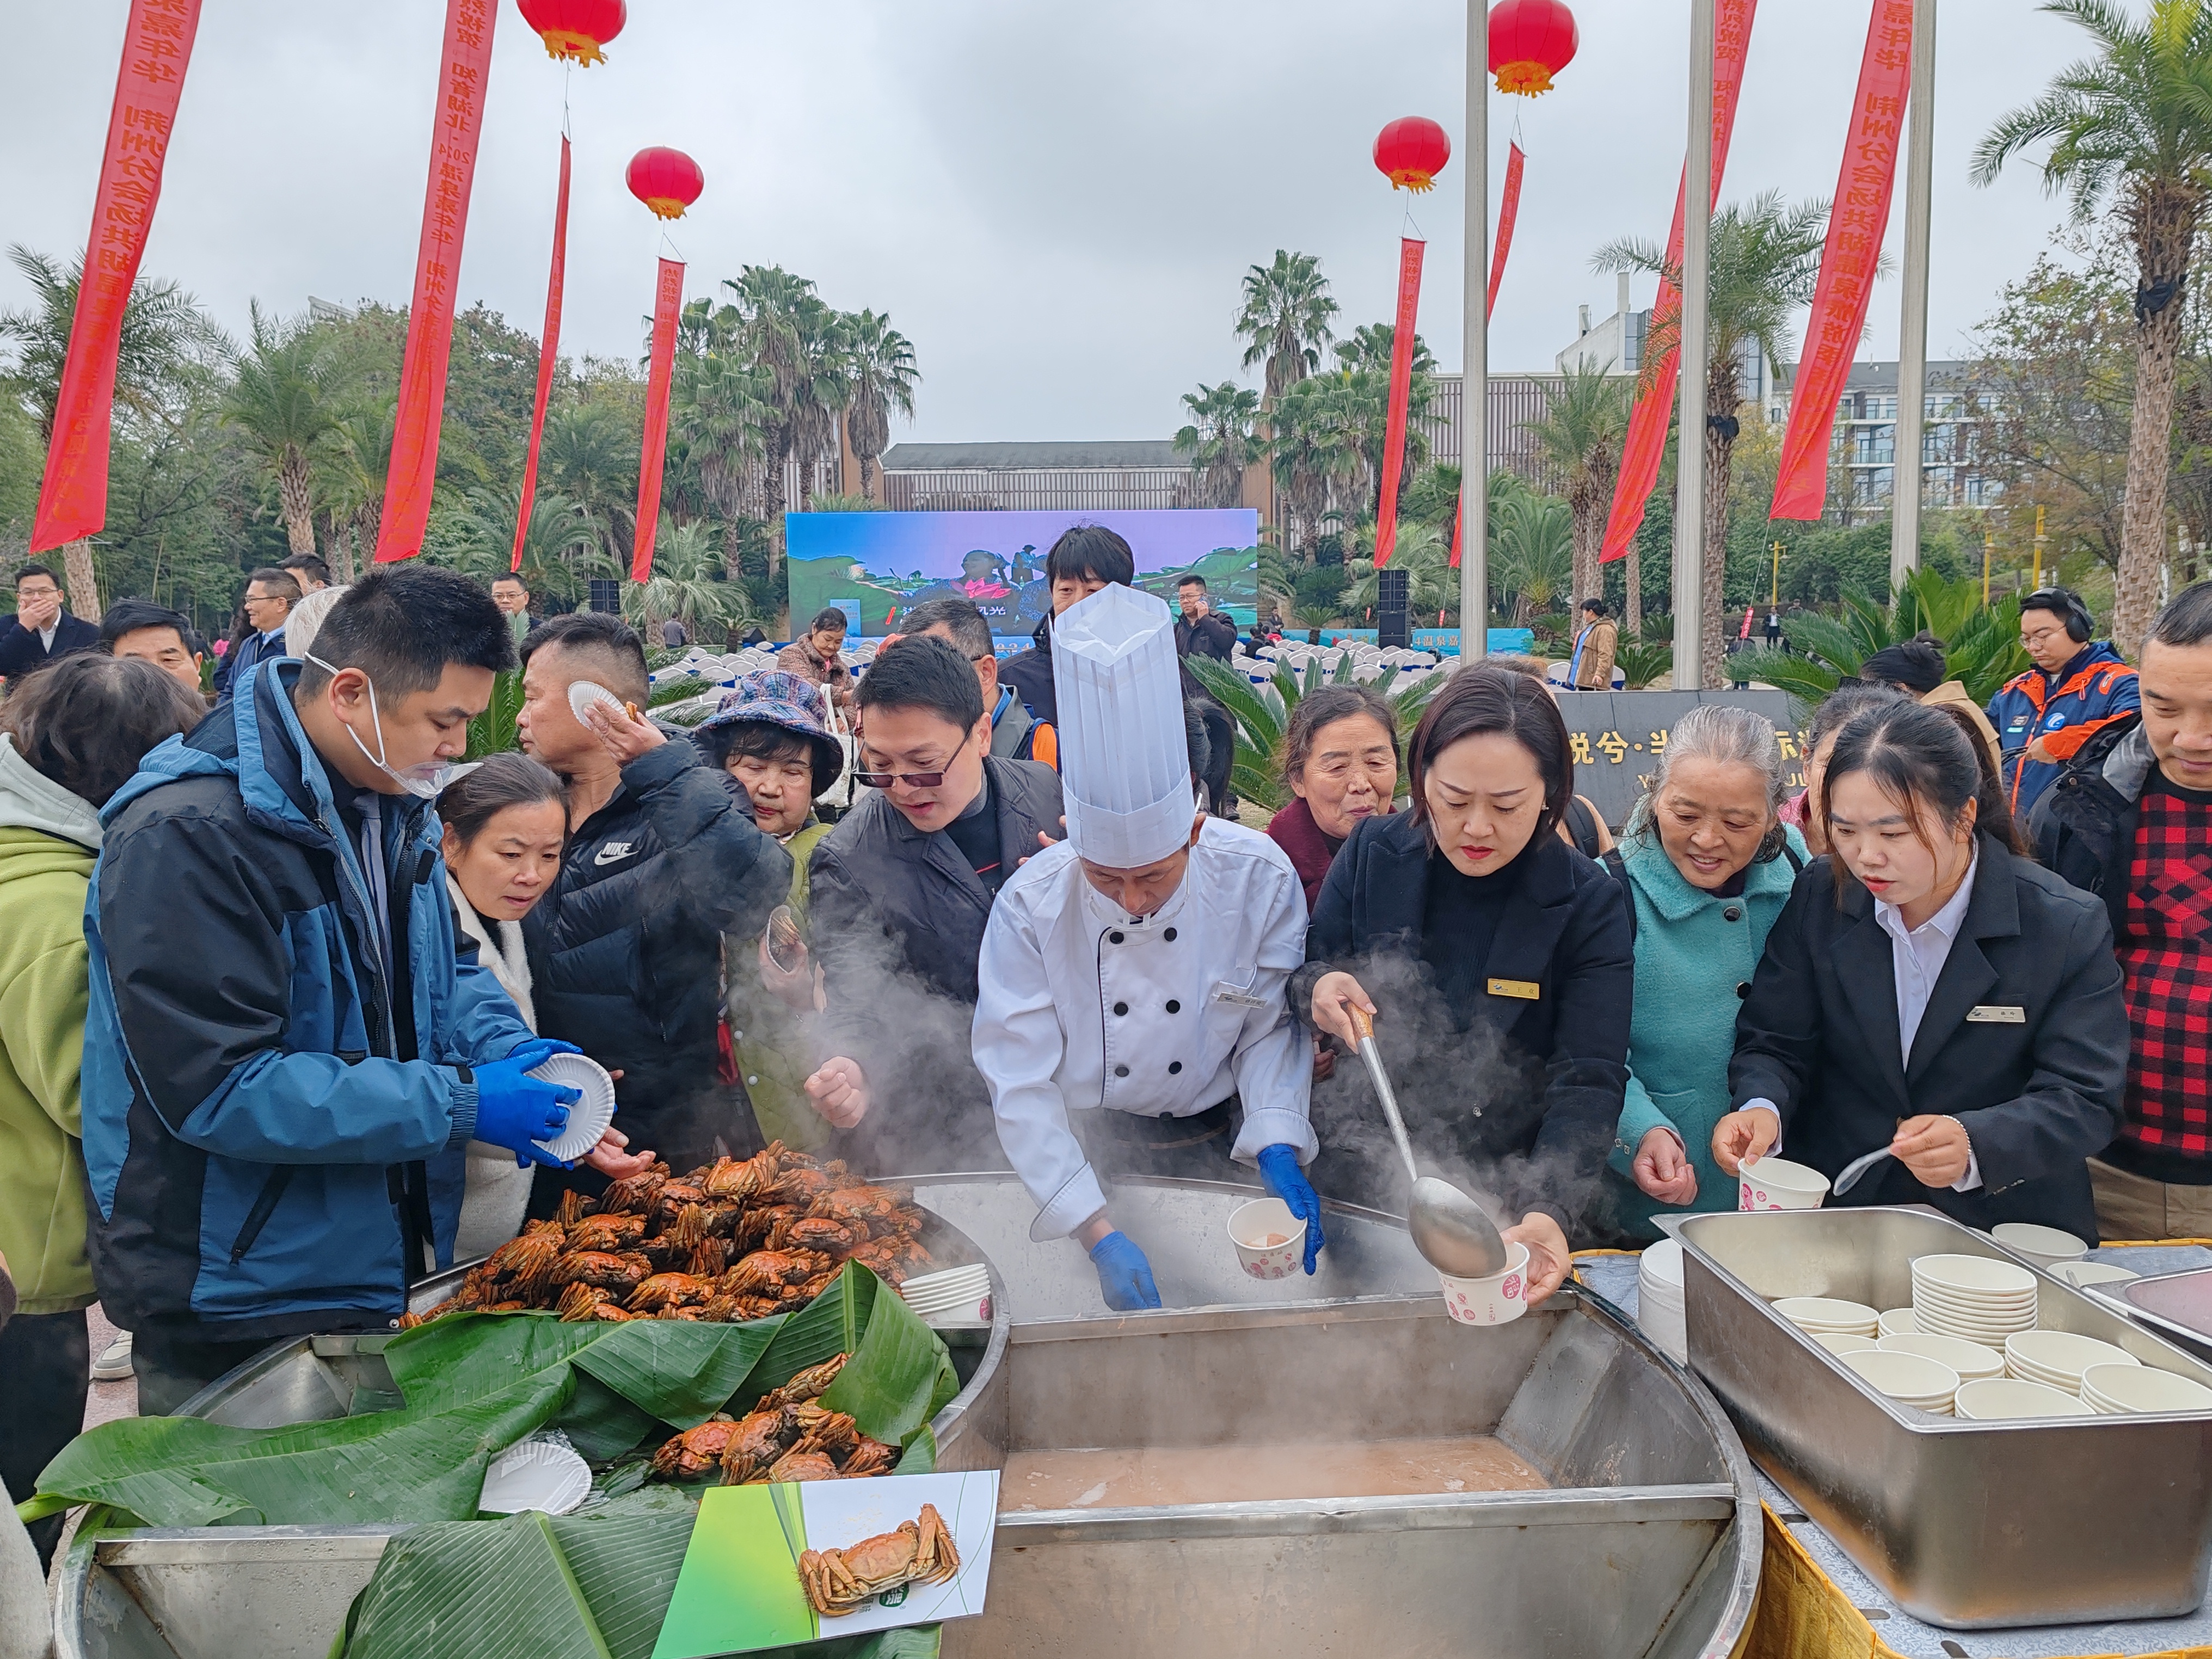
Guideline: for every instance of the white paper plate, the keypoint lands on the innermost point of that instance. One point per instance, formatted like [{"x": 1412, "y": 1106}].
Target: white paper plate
[
  {"x": 2114, "y": 1390},
  {"x": 1969, "y": 1359},
  {"x": 1996, "y": 1397},
  {"x": 538, "y": 1475},
  {"x": 582, "y": 694},
  {"x": 2060, "y": 1355},
  {"x": 587, "y": 1118}
]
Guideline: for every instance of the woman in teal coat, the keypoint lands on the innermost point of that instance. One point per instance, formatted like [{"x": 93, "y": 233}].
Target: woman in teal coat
[{"x": 1708, "y": 866}]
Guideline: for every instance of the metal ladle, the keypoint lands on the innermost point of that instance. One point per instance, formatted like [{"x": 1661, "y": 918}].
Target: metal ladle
[{"x": 1453, "y": 1232}]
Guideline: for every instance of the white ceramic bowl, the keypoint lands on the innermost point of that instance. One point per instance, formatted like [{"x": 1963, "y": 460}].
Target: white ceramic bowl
[
  {"x": 2118, "y": 1388},
  {"x": 1775, "y": 1183},
  {"x": 587, "y": 1118},
  {"x": 2041, "y": 1245},
  {"x": 1263, "y": 1218},
  {"x": 1898, "y": 1321},
  {"x": 1992, "y": 1398},
  {"x": 1973, "y": 1275},
  {"x": 2059, "y": 1357},
  {"x": 1494, "y": 1300},
  {"x": 1913, "y": 1378},
  {"x": 1969, "y": 1359}
]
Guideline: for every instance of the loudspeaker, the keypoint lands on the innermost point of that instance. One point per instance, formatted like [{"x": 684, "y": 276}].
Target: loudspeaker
[
  {"x": 1393, "y": 592},
  {"x": 606, "y": 595}
]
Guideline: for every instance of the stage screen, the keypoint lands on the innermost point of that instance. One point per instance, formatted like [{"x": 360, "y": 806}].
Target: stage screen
[{"x": 874, "y": 566}]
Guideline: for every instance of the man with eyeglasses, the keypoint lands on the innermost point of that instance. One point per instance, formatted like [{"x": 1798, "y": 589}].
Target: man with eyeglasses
[
  {"x": 2078, "y": 686},
  {"x": 899, "y": 894}
]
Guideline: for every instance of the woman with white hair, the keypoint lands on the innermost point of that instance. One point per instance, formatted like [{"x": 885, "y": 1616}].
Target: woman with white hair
[{"x": 1708, "y": 866}]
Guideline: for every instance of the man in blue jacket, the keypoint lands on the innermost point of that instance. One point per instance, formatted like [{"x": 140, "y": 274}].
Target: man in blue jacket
[
  {"x": 2078, "y": 686},
  {"x": 285, "y": 1054}
]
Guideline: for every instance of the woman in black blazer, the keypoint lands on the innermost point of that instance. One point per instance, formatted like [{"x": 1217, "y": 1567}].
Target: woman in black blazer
[
  {"x": 1929, "y": 990},
  {"x": 1499, "y": 963}
]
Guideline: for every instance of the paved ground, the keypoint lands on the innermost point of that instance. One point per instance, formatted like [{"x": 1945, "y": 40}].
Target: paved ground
[{"x": 107, "y": 1400}]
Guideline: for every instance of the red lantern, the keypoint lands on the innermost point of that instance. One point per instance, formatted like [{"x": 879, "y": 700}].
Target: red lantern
[
  {"x": 576, "y": 29},
  {"x": 1413, "y": 149},
  {"x": 1530, "y": 41},
  {"x": 666, "y": 180}
]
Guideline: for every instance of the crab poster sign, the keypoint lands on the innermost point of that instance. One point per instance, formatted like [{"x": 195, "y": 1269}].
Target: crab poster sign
[{"x": 772, "y": 1565}]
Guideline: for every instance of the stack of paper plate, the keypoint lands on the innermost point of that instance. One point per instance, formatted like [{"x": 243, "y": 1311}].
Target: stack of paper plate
[
  {"x": 1969, "y": 1359},
  {"x": 1659, "y": 1300},
  {"x": 2119, "y": 1390},
  {"x": 1910, "y": 1379},
  {"x": 957, "y": 1295},
  {"x": 2057, "y": 1359},
  {"x": 1824, "y": 1316},
  {"x": 1971, "y": 1297}
]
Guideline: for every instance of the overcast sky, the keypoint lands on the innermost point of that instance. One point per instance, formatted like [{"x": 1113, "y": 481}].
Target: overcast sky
[{"x": 1054, "y": 204}]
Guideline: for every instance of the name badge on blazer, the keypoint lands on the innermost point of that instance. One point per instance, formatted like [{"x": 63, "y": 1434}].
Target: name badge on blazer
[
  {"x": 1989, "y": 1014},
  {"x": 1526, "y": 989}
]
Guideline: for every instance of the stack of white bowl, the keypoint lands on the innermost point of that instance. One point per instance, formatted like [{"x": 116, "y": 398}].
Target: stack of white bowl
[
  {"x": 1899, "y": 1322},
  {"x": 956, "y": 1296},
  {"x": 1990, "y": 1398},
  {"x": 2121, "y": 1390},
  {"x": 1659, "y": 1300},
  {"x": 2045, "y": 1246},
  {"x": 1969, "y": 1359},
  {"x": 1971, "y": 1297},
  {"x": 1824, "y": 1316},
  {"x": 1910, "y": 1379},
  {"x": 2057, "y": 1359}
]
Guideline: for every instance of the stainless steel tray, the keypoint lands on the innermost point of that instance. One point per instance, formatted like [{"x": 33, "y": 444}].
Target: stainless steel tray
[
  {"x": 1965, "y": 1525},
  {"x": 2178, "y": 1304}
]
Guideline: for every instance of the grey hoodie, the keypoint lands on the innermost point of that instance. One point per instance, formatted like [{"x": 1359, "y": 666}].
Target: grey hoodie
[{"x": 31, "y": 800}]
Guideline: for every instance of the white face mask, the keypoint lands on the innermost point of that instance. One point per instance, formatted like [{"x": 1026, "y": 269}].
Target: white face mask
[{"x": 428, "y": 781}]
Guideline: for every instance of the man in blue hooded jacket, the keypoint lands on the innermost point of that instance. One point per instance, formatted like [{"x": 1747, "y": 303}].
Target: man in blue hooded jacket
[
  {"x": 2078, "y": 686},
  {"x": 285, "y": 1054}
]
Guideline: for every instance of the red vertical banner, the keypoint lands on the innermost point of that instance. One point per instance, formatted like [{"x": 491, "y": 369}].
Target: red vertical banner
[
  {"x": 667, "y": 305},
  {"x": 463, "y": 69},
  {"x": 1508, "y": 211},
  {"x": 1401, "y": 384},
  {"x": 157, "y": 46},
  {"x": 1654, "y": 405},
  {"x": 549, "y": 358},
  {"x": 1855, "y": 225}
]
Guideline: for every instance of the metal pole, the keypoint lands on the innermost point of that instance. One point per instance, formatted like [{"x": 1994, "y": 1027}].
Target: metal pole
[
  {"x": 1906, "y": 475},
  {"x": 1474, "y": 394},
  {"x": 1690, "y": 443}
]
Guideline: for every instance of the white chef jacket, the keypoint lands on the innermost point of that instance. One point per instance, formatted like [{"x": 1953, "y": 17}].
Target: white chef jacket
[{"x": 1080, "y": 1008}]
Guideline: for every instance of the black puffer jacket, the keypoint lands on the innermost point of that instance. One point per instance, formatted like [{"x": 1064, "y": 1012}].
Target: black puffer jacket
[
  {"x": 897, "y": 917},
  {"x": 626, "y": 951}
]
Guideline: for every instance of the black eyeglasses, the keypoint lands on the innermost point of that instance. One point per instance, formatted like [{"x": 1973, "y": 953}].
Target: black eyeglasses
[{"x": 911, "y": 780}]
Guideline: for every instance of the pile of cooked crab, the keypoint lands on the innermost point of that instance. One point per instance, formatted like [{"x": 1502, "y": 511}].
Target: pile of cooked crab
[
  {"x": 789, "y": 1435},
  {"x": 739, "y": 1239}
]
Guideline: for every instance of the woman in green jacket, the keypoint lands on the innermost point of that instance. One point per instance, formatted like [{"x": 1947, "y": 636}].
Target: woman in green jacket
[
  {"x": 1708, "y": 868},
  {"x": 71, "y": 735},
  {"x": 770, "y": 737}
]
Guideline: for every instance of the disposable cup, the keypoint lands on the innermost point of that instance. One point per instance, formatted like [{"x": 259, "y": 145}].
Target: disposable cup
[
  {"x": 1775, "y": 1183},
  {"x": 2119, "y": 1388},
  {"x": 1993, "y": 1397},
  {"x": 2044, "y": 1246},
  {"x": 1494, "y": 1299},
  {"x": 1264, "y": 1218}
]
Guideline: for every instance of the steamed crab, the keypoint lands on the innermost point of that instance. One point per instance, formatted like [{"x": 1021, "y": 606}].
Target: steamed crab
[
  {"x": 842, "y": 1581},
  {"x": 695, "y": 1454}
]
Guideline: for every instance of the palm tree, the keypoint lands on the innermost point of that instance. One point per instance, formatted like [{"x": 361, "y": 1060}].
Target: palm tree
[
  {"x": 591, "y": 457},
  {"x": 1369, "y": 346},
  {"x": 559, "y": 546},
  {"x": 2135, "y": 122},
  {"x": 1424, "y": 552},
  {"x": 1285, "y": 320},
  {"x": 783, "y": 328},
  {"x": 1220, "y": 443},
  {"x": 1584, "y": 422},
  {"x": 881, "y": 362},
  {"x": 723, "y": 414},
  {"x": 684, "y": 586},
  {"x": 283, "y": 401},
  {"x": 164, "y": 334},
  {"x": 1531, "y": 551},
  {"x": 1765, "y": 262}
]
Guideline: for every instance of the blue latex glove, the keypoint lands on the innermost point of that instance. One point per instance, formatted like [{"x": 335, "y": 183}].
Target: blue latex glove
[
  {"x": 516, "y": 1110},
  {"x": 1124, "y": 1275},
  {"x": 1279, "y": 1167},
  {"x": 536, "y": 1051}
]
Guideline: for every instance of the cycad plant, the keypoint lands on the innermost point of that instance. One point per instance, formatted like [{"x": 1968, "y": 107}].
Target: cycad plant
[
  {"x": 1262, "y": 715},
  {"x": 1981, "y": 643}
]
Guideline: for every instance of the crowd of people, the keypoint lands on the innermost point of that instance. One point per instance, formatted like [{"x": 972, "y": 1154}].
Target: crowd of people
[{"x": 280, "y": 964}]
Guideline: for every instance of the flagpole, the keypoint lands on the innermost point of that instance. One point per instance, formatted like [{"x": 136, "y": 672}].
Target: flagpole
[
  {"x": 1690, "y": 444},
  {"x": 1906, "y": 475},
  {"x": 1474, "y": 391}
]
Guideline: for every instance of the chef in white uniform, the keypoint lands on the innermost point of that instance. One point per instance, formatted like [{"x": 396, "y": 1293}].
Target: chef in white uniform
[{"x": 1133, "y": 976}]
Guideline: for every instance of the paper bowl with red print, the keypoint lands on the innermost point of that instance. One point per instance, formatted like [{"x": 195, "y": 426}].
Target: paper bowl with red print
[
  {"x": 1775, "y": 1183},
  {"x": 1271, "y": 1242},
  {"x": 1493, "y": 1300}
]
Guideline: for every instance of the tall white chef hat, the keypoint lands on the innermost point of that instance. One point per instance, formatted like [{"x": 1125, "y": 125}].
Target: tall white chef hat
[{"x": 1124, "y": 760}]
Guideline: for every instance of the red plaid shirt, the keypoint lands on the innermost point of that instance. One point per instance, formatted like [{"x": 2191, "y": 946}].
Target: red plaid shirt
[{"x": 2167, "y": 955}]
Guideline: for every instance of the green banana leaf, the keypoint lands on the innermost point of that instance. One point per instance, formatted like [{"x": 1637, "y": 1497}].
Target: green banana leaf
[
  {"x": 476, "y": 1383},
  {"x": 539, "y": 1586}
]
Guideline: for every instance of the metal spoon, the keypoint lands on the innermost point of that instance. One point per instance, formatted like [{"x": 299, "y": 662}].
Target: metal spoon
[{"x": 1452, "y": 1232}]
